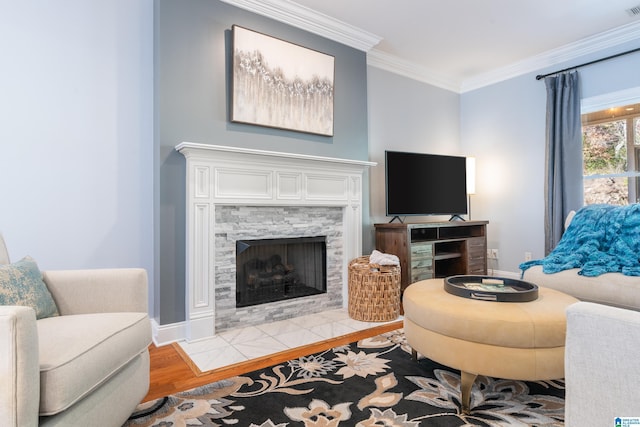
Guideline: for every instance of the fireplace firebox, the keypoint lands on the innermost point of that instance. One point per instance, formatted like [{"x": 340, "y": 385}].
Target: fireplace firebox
[{"x": 269, "y": 270}]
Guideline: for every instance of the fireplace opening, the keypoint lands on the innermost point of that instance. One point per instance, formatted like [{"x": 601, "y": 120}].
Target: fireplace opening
[{"x": 269, "y": 270}]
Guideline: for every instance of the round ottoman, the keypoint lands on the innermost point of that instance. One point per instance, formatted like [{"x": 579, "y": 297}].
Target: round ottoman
[{"x": 511, "y": 340}]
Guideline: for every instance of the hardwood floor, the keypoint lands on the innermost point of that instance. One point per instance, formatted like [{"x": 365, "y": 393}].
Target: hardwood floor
[{"x": 172, "y": 371}]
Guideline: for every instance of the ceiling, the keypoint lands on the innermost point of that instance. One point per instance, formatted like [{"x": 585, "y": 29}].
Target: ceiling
[{"x": 462, "y": 44}]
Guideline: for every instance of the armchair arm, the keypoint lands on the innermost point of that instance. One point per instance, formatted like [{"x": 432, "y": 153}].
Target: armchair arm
[
  {"x": 601, "y": 364},
  {"x": 19, "y": 367},
  {"x": 98, "y": 290}
]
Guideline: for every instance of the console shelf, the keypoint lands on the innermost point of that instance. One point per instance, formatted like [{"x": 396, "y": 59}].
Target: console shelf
[{"x": 435, "y": 249}]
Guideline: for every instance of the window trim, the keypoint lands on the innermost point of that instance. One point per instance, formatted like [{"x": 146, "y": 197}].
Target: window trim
[{"x": 608, "y": 100}]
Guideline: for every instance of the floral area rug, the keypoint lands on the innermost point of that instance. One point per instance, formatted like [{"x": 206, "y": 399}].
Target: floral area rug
[{"x": 373, "y": 382}]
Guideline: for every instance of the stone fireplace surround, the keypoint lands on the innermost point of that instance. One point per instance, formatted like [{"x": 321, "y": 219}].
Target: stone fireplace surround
[{"x": 280, "y": 195}]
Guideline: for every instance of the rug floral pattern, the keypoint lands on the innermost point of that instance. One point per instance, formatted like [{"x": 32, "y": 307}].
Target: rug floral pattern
[{"x": 373, "y": 382}]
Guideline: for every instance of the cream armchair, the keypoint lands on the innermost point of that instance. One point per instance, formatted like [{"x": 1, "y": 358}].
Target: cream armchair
[{"x": 89, "y": 366}]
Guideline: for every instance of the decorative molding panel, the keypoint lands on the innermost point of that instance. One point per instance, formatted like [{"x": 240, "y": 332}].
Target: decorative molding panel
[
  {"x": 243, "y": 183},
  {"x": 289, "y": 186},
  {"x": 330, "y": 188},
  {"x": 201, "y": 182}
]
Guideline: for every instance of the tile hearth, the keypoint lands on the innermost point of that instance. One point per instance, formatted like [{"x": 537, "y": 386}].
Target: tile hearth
[{"x": 243, "y": 344}]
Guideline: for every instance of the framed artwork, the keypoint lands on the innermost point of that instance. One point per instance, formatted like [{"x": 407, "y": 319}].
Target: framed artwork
[{"x": 280, "y": 84}]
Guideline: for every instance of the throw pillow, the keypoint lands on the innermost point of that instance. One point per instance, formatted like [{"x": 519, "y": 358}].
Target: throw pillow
[{"x": 21, "y": 284}]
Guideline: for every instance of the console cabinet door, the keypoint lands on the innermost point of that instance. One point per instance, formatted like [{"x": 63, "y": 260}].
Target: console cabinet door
[
  {"x": 477, "y": 255},
  {"x": 421, "y": 261}
]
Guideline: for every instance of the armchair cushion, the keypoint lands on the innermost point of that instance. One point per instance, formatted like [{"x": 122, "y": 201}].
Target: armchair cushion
[
  {"x": 98, "y": 290},
  {"x": 78, "y": 353},
  {"x": 21, "y": 284}
]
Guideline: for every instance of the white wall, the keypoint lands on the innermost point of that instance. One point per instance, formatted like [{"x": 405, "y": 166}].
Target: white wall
[
  {"x": 503, "y": 125},
  {"x": 76, "y": 134}
]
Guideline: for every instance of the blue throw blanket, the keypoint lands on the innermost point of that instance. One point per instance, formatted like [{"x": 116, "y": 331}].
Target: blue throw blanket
[{"x": 600, "y": 239}]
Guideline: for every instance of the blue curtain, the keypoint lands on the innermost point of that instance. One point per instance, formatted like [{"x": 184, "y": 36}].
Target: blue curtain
[{"x": 563, "y": 186}]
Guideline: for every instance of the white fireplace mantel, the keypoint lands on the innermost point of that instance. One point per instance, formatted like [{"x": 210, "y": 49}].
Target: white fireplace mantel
[{"x": 220, "y": 175}]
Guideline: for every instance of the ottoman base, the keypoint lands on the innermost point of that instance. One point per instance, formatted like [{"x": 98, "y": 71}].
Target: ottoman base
[
  {"x": 519, "y": 341},
  {"x": 473, "y": 359}
]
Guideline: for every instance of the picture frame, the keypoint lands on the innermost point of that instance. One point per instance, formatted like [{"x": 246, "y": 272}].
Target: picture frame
[{"x": 281, "y": 85}]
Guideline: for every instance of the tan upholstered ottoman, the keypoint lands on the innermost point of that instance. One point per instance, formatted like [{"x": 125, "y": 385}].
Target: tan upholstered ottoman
[{"x": 523, "y": 341}]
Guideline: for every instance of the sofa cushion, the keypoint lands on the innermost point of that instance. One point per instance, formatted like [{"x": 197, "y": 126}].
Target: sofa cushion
[
  {"x": 613, "y": 289},
  {"x": 21, "y": 284},
  {"x": 80, "y": 352}
]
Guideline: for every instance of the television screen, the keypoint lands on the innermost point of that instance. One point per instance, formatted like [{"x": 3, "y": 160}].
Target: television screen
[{"x": 425, "y": 184}]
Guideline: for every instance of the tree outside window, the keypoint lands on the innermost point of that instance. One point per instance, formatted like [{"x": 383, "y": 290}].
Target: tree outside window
[{"x": 611, "y": 153}]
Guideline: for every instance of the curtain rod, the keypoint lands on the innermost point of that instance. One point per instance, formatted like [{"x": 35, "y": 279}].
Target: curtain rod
[{"x": 542, "y": 76}]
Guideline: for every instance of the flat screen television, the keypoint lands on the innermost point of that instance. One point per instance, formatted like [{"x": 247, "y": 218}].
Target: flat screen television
[{"x": 425, "y": 184}]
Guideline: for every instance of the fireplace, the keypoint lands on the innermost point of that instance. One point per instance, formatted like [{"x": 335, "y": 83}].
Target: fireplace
[
  {"x": 269, "y": 270},
  {"x": 240, "y": 194},
  {"x": 269, "y": 224}
]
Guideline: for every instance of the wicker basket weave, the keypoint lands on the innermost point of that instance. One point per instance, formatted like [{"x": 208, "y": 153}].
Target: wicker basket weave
[{"x": 374, "y": 291}]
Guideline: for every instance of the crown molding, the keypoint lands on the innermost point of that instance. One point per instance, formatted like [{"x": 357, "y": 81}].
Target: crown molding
[
  {"x": 563, "y": 54},
  {"x": 393, "y": 64},
  {"x": 298, "y": 16},
  {"x": 310, "y": 20}
]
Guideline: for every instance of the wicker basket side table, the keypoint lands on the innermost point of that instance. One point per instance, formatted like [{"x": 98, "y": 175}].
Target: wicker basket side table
[{"x": 374, "y": 291}]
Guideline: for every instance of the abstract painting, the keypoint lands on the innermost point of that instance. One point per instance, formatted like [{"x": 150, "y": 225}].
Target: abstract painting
[{"x": 280, "y": 84}]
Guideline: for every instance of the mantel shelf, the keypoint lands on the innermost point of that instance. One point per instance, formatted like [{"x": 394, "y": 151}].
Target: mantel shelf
[{"x": 189, "y": 147}]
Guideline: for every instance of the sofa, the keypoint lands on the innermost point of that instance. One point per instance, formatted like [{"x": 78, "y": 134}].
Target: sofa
[
  {"x": 597, "y": 259},
  {"x": 612, "y": 289},
  {"x": 85, "y": 362},
  {"x": 601, "y": 364}
]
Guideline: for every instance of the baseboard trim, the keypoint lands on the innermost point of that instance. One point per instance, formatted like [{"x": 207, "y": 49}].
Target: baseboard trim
[{"x": 166, "y": 334}]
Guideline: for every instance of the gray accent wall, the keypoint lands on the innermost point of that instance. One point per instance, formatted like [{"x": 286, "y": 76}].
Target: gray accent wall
[{"x": 192, "y": 75}]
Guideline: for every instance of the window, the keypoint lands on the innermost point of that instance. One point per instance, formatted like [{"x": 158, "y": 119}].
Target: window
[{"x": 611, "y": 152}]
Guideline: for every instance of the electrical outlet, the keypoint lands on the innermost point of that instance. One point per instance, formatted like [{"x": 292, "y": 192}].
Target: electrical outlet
[
  {"x": 492, "y": 254},
  {"x": 527, "y": 256}
]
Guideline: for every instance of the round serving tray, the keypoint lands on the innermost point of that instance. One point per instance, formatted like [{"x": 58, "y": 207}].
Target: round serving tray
[{"x": 490, "y": 288}]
